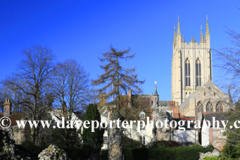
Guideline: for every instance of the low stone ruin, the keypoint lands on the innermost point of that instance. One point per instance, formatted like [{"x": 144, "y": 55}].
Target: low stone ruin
[
  {"x": 8, "y": 149},
  {"x": 215, "y": 153},
  {"x": 53, "y": 153}
]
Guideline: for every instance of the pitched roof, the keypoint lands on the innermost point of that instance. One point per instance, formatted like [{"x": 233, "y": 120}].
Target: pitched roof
[
  {"x": 14, "y": 117},
  {"x": 219, "y": 116},
  {"x": 201, "y": 88}
]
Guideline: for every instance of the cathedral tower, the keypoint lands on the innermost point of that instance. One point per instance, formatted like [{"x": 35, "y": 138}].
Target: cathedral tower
[{"x": 191, "y": 64}]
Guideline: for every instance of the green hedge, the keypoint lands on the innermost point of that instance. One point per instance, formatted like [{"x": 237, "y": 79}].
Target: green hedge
[
  {"x": 163, "y": 153},
  {"x": 218, "y": 158}
]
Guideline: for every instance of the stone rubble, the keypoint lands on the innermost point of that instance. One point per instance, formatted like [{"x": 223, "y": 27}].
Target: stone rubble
[
  {"x": 8, "y": 149},
  {"x": 53, "y": 153}
]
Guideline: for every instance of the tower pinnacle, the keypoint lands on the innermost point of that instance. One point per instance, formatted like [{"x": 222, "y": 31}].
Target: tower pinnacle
[
  {"x": 155, "y": 93},
  {"x": 178, "y": 27},
  {"x": 207, "y": 28},
  {"x": 201, "y": 37}
]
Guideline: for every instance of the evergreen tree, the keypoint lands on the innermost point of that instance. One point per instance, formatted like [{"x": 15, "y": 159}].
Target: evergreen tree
[
  {"x": 117, "y": 78},
  {"x": 92, "y": 141}
]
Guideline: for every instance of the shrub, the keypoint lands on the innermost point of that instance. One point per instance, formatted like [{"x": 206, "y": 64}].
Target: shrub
[
  {"x": 31, "y": 148},
  {"x": 28, "y": 145},
  {"x": 211, "y": 158},
  {"x": 178, "y": 153},
  {"x": 104, "y": 155},
  {"x": 163, "y": 153},
  {"x": 130, "y": 143}
]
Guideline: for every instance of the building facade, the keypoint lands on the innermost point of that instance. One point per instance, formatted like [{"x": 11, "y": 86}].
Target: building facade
[{"x": 191, "y": 64}]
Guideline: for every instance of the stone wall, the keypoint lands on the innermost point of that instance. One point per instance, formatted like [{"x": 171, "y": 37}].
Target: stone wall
[
  {"x": 216, "y": 138},
  {"x": 188, "y": 136},
  {"x": 17, "y": 134}
]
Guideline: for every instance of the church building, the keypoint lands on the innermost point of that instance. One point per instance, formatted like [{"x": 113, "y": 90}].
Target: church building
[{"x": 192, "y": 86}]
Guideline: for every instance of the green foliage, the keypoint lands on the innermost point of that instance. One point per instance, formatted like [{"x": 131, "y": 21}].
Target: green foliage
[
  {"x": 92, "y": 141},
  {"x": 130, "y": 143},
  {"x": 27, "y": 144},
  {"x": 5, "y": 148},
  {"x": 163, "y": 153},
  {"x": 219, "y": 158},
  {"x": 78, "y": 153},
  {"x": 104, "y": 155},
  {"x": 232, "y": 147},
  {"x": 211, "y": 158},
  {"x": 31, "y": 148},
  {"x": 65, "y": 137},
  {"x": 178, "y": 153}
]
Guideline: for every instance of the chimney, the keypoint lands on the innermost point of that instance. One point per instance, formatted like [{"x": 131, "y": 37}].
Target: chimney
[
  {"x": 64, "y": 109},
  {"x": 7, "y": 108},
  {"x": 129, "y": 97},
  {"x": 103, "y": 99}
]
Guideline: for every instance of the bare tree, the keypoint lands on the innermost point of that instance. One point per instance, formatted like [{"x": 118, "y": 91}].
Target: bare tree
[
  {"x": 117, "y": 78},
  {"x": 228, "y": 61},
  {"x": 71, "y": 85},
  {"x": 31, "y": 82}
]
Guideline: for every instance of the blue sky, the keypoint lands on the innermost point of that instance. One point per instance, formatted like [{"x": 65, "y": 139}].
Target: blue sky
[{"x": 84, "y": 29}]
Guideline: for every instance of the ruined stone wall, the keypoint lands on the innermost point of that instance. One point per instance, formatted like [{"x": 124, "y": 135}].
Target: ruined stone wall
[{"x": 216, "y": 138}]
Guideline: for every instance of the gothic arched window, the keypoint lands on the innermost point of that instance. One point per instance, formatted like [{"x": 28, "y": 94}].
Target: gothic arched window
[
  {"x": 187, "y": 73},
  {"x": 198, "y": 73},
  {"x": 200, "y": 107},
  {"x": 219, "y": 107},
  {"x": 209, "y": 107}
]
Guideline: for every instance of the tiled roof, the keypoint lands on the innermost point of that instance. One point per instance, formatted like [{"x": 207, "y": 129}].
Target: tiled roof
[
  {"x": 14, "y": 117},
  {"x": 218, "y": 117},
  {"x": 164, "y": 103}
]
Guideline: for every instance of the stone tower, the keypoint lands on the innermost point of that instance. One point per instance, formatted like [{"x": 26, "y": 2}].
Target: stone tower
[{"x": 191, "y": 64}]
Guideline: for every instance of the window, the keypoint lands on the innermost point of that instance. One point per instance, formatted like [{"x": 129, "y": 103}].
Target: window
[
  {"x": 143, "y": 140},
  {"x": 219, "y": 107},
  {"x": 142, "y": 128},
  {"x": 105, "y": 139},
  {"x": 142, "y": 115},
  {"x": 209, "y": 107},
  {"x": 187, "y": 73},
  {"x": 204, "y": 94},
  {"x": 200, "y": 107},
  {"x": 198, "y": 73}
]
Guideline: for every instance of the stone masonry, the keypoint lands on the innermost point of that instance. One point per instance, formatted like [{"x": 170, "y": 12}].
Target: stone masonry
[{"x": 115, "y": 143}]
